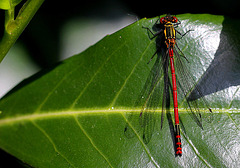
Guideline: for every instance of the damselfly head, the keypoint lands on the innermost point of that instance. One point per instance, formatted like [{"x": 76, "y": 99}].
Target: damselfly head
[
  {"x": 162, "y": 20},
  {"x": 174, "y": 19},
  {"x": 168, "y": 18}
]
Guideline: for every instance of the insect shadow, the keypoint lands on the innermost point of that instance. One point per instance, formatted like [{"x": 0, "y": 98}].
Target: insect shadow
[{"x": 224, "y": 71}]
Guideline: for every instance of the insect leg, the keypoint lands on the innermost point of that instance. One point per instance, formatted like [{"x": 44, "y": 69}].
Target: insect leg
[
  {"x": 154, "y": 35},
  {"x": 182, "y": 34}
]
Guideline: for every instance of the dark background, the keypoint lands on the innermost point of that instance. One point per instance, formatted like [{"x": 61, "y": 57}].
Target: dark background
[
  {"x": 41, "y": 37},
  {"x": 51, "y": 16}
]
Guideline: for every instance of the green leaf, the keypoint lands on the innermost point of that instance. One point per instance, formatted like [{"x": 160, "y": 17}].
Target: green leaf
[
  {"x": 74, "y": 114},
  {"x": 9, "y": 4}
]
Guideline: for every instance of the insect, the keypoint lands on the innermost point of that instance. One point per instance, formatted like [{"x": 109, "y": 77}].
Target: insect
[{"x": 181, "y": 80}]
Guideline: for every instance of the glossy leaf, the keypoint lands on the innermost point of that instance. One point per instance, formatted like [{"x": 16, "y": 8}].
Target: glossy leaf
[{"x": 74, "y": 114}]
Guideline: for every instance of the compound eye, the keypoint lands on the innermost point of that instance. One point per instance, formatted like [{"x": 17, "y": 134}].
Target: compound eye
[
  {"x": 174, "y": 20},
  {"x": 162, "y": 20}
]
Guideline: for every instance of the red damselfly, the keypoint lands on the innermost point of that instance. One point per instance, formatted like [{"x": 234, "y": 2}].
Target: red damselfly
[{"x": 167, "y": 52}]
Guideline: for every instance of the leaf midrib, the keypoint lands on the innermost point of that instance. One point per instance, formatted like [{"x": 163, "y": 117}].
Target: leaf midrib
[{"x": 51, "y": 114}]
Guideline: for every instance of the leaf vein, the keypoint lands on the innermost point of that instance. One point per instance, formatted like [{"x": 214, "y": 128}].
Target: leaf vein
[
  {"x": 54, "y": 88},
  {"x": 235, "y": 93},
  {"x": 51, "y": 141},
  {"x": 223, "y": 146},
  {"x": 91, "y": 141},
  {"x": 195, "y": 150},
  {"x": 130, "y": 74},
  {"x": 95, "y": 74},
  {"x": 141, "y": 141},
  {"x": 233, "y": 121}
]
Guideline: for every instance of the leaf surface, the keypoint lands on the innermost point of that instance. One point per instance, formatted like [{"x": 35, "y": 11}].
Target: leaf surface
[{"x": 74, "y": 114}]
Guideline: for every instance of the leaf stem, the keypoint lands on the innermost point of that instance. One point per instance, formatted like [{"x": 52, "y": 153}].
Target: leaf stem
[{"x": 14, "y": 27}]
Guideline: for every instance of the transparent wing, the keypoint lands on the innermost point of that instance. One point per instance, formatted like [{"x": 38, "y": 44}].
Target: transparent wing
[
  {"x": 198, "y": 108},
  {"x": 152, "y": 94}
]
